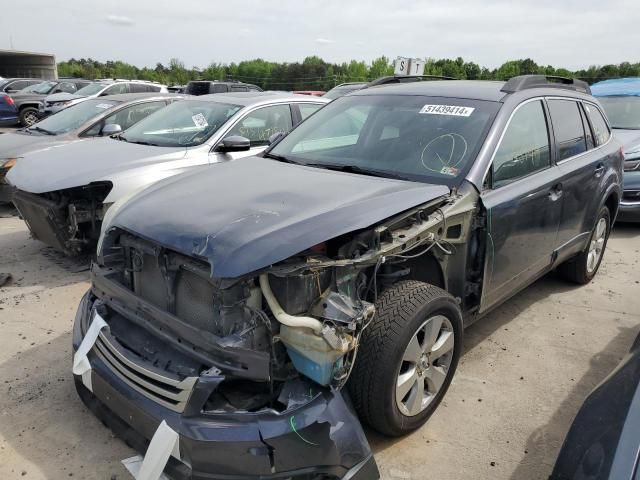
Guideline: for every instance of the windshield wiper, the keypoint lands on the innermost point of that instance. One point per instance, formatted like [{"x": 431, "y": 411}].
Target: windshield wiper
[
  {"x": 142, "y": 142},
  {"x": 282, "y": 158},
  {"x": 360, "y": 170},
  {"x": 40, "y": 129}
]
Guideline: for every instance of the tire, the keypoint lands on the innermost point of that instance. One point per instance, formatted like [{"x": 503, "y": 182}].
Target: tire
[
  {"x": 28, "y": 116},
  {"x": 580, "y": 269},
  {"x": 401, "y": 312}
]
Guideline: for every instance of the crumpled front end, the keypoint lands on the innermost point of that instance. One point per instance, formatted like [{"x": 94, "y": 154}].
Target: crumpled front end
[
  {"x": 68, "y": 220},
  {"x": 218, "y": 369}
]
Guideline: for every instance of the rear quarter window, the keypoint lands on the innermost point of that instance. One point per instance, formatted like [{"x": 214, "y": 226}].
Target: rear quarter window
[{"x": 601, "y": 130}]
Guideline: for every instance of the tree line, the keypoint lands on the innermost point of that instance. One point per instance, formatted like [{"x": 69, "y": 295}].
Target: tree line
[{"x": 313, "y": 73}]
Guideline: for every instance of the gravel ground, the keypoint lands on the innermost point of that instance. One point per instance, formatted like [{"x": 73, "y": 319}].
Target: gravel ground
[{"x": 526, "y": 369}]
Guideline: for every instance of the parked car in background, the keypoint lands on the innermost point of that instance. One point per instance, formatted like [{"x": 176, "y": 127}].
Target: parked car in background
[
  {"x": 28, "y": 100},
  {"x": 620, "y": 99},
  {"x": 8, "y": 110},
  {"x": 13, "y": 85},
  {"x": 206, "y": 87},
  {"x": 604, "y": 439},
  {"x": 313, "y": 93},
  {"x": 349, "y": 255},
  {"x": 177, "y": 88},
  {"x": 63, "y": 193},
  {"x": 94, "y": 118},
  {"x": 343, "y": 89},
  {"x": 58, "y": 101}
]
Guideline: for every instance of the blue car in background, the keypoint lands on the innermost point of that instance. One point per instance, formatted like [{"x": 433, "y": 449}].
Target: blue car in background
[
  {"x": 620, "y": 99},
  {"x": 8, "y": 111}
]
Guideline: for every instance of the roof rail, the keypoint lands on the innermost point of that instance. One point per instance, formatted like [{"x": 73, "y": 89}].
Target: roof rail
[
  {"x": 399, "y": 79},
  {"x": 523, "y": 82}
]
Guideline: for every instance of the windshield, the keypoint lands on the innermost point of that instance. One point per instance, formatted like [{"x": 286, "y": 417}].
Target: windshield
[
  {"x": 41, "y": 88},
  {"x": 74, "y": 116},
  {"x": 181, "y": 124},
  {"x": 91, "y": 89},
  {"x": 426, "y": 139},
  {"x": 340, "y": 91},
  {"x": 623, "y": 111}
]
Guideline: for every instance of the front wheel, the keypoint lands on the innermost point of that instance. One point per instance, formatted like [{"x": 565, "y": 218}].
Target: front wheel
[
  {"x": 28, "y": 116},
  {"x": 584, "y": 266},
  {"x": 407, "y": 357}
]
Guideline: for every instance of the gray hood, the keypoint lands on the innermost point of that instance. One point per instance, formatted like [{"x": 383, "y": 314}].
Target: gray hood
[
  {"x": 81, "y": 163},
  {"x": 245, "y": 215},
  {"x": 62, "y": 96},
  {"x": 17, "y": 144}
]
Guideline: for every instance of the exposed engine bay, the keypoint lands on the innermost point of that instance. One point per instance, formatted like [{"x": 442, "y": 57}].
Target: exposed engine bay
[
  {"x": 299, "y": 319},
  {"x": 68, "y": 220}
]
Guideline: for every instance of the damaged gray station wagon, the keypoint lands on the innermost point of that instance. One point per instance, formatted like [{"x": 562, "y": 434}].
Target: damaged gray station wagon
[{"x": 241, "y": 303}]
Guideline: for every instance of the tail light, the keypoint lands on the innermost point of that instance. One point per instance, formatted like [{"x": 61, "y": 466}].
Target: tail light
[{"x": 9, "y": 100}]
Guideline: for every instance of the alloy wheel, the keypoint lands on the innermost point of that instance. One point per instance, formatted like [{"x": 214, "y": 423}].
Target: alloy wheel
[
  {"x": 596, "y": 247},
  {"x": 425, "y": 365}
]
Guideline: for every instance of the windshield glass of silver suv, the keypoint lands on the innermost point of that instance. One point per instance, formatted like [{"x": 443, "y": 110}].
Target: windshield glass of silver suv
[
  {"x": 623, "y": 111},
  {"x": 428, "y": 139},
  {"x": 182, "y": 124}
]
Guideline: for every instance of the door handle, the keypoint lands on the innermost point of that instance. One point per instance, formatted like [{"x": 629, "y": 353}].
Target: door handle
[
  {"x": 556, "y": 192},
  {"x": 599, "y": 170}
]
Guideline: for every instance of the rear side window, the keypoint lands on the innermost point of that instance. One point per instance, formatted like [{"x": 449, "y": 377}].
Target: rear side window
[
  {"x": 567, "y": 127},
  {"x": 307, "y": 109},
  {"x": 524, "y": 148},
  {"x": 217, "y": 88},
  {"x": 236, "y": 88},
  {"x": 600, "y": 128}
]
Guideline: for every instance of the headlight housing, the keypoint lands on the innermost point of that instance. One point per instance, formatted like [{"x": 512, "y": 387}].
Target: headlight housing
[{"x": 632, "y": 161}]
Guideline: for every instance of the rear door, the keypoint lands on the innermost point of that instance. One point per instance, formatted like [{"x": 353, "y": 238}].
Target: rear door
[
  {"x": 523, "y": 204},
  {"x": 581, "y": 168}
]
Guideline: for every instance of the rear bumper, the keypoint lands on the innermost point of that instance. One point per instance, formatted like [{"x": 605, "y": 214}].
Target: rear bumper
[
  {"x": 628, "y": 212},
  {"x": 326, "y": 443}
]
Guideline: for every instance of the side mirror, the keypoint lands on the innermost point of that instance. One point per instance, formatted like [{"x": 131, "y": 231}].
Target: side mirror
[
  {"x": 57, "y": 90},
  {"x": 234, "y": 143},
  {"x": 111, "y": 129},
  {"x": 275, "y": 137}
]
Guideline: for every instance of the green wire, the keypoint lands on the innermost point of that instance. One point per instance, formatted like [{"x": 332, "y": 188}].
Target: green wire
[{"x": 293, "y": 427}]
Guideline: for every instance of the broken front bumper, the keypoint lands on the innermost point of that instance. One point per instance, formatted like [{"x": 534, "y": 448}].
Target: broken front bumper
[{"x": 321, "y": 439}]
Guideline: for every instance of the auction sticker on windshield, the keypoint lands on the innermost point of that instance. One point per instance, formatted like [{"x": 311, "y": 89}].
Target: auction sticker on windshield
[
  {"x": 453, "y": 110},
  {"x": 199, "y": 120}
]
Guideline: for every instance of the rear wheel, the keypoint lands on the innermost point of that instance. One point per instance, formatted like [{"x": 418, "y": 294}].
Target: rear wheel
[
  {"x": 407, "y": 357},
  {"x": 28, "y": 116},
  {"x": 584, "y": 266}
]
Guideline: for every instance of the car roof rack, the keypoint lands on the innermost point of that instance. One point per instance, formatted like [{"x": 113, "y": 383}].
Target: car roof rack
[
  {"x": 399, "y": 78},
  {"x": 524, "y": 82}
]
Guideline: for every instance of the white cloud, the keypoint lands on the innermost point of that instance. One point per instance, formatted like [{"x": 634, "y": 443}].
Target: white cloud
[
  {"x": 566, "y": 33},
  {"x": 120, "y": 20}
]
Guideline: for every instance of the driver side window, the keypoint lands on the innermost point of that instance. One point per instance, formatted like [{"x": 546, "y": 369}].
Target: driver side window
[
  {"x": 524, "y": 148},
  {"x": 259, "y": 125}
]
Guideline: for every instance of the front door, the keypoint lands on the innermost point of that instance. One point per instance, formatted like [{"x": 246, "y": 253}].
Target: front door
[
  {"x": 258, "y": 126},
  {"x": 523, "y": 200}
]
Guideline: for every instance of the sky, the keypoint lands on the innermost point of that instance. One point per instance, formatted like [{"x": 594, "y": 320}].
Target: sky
[{"x": 564, "y": 33}]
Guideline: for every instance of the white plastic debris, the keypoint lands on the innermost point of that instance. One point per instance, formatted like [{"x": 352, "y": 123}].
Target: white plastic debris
[
  {"x": 81, "y": 365},
  {"x": 165, "y": 442}
]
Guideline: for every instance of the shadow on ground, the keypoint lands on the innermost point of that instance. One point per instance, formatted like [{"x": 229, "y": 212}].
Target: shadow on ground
[{"x": 543, "y": 445}]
